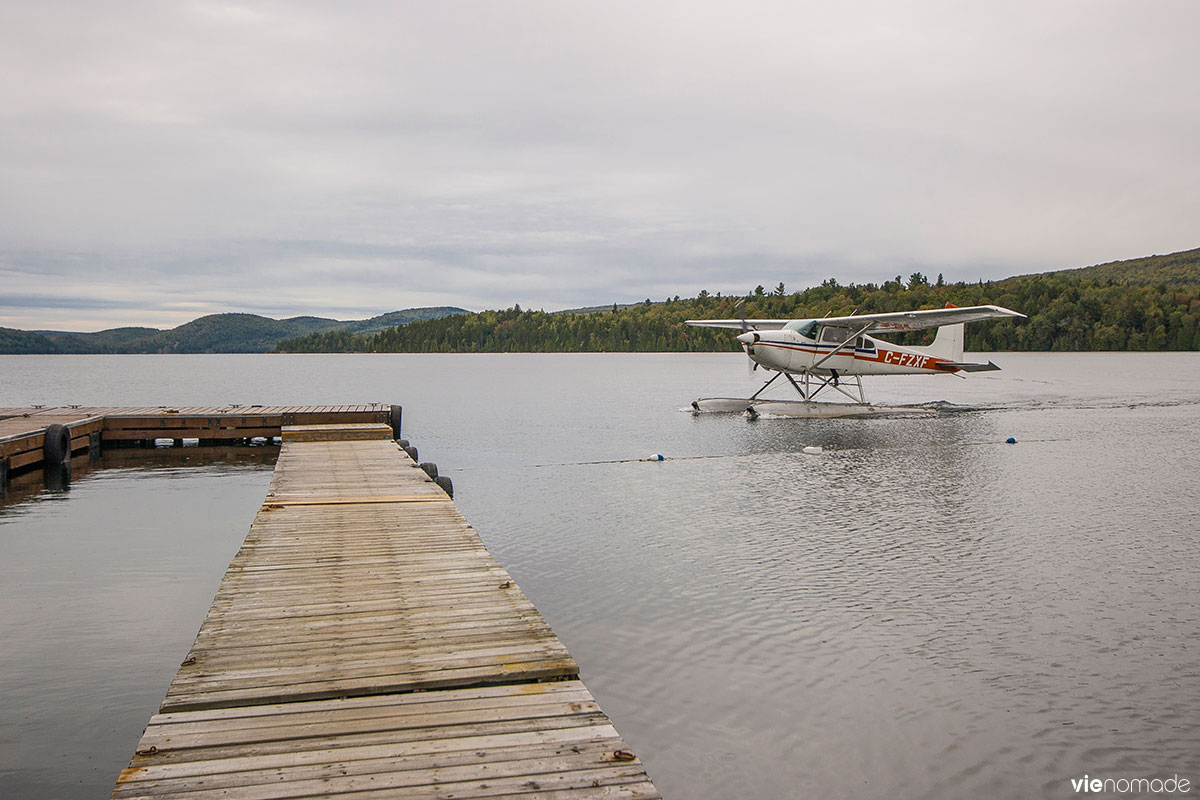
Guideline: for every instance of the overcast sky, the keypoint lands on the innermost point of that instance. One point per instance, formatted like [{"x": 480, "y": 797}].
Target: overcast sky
[{"x": 162, "y": 160}]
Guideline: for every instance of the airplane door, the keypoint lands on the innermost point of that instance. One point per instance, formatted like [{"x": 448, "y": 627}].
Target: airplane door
[{"x": 830, "y": 338}]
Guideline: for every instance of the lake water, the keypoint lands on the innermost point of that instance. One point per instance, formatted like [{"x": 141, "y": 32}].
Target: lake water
[{"x": 920, "y": 611}]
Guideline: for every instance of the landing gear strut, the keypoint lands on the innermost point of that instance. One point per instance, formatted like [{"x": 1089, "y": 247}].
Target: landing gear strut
[
  {"x": 774, "y": 378},
  {"x": 808, "y": 391}
]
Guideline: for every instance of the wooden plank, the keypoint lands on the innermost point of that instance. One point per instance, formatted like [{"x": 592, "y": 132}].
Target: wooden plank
[
  {"x": 138, "y": 434},
  {"x": 476, "y": 774},
  {"x": 531, "y": 739},
  {"x": 367, "y": 719},
  {"x": 330, "y": 501},
  {"x": 337, "y": 432}
]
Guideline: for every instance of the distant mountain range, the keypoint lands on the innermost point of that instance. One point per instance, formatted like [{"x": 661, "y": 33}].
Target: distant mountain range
[
  {"x": 215, "y": 333},
  {"x": 1150, "y": 303}
]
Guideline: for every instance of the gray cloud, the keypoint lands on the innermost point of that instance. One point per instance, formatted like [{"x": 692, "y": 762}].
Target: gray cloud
[{"x": 350, "y": 159}]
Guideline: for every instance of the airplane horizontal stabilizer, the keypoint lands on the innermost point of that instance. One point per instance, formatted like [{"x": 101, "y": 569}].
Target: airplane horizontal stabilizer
[{"x": 968, "y": 367}]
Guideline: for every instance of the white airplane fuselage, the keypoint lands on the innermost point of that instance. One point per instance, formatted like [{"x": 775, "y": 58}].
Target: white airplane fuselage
[{"x": 794, "y": 352}]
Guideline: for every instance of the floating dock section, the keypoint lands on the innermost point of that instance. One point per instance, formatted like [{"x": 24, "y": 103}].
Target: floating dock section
[
  {"x": 364, "y": 643},
  {"x": 26, "y": 433}
]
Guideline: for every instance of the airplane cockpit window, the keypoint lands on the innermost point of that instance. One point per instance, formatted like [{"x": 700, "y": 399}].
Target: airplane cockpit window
[
  {"x": 865, "y": 344},
  {"x": 804, "y": 327}
]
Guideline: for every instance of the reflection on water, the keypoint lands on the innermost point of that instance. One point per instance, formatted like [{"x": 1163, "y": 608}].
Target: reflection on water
[
  {"x": 103, "y": 584},
  {"x": 920, "y": 611},
  {"x": 57, "y": 478}
]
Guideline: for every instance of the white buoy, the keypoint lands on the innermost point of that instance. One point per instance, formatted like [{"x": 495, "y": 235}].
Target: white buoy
[
  {"x": 813, "y": 450},
  {"x": 657, "y": 457}
]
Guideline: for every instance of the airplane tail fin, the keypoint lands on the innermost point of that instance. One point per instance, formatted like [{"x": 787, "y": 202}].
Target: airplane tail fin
[{"x": 948, "y": 341}]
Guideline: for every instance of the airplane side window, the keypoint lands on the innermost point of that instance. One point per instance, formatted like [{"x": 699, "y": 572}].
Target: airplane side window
[
  {"x": 835, "y": 335},
  {"x": 865, "y": 343}
]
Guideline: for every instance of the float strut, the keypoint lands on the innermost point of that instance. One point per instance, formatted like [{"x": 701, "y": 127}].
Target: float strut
[{"x": 768, "y": 383}]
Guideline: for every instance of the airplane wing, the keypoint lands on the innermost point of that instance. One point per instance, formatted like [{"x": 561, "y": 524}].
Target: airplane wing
[
  {"x": 917, "y": 320},
  {"x": 875, "y": 323},
  {"x": 738, "y": 324}
]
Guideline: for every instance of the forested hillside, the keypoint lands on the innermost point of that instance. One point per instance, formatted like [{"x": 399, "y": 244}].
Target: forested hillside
[
  {"x": 214, "y": 333},
  {"x": 113, "y": 340},
  {"x": 24, "y": 342},
  {"x": 1146, "y": 304}
]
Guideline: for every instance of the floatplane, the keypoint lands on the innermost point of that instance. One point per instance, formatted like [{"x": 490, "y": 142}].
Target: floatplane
[{"x": 834, "y": 353}]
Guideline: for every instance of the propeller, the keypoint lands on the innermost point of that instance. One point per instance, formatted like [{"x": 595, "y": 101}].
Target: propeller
[{"x": 752, "y": 365}]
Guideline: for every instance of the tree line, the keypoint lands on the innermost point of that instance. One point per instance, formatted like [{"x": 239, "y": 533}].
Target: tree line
[{"x": 1153, "y": 305}]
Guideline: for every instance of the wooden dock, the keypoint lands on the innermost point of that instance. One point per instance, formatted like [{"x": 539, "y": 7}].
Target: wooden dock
[
  {"x": 364, "y": 643},
  {"x": 23, "y": 430}
]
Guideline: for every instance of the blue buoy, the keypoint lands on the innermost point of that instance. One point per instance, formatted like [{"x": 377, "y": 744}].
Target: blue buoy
[
  {"x": 657, "y": 457},
  {"x": 1010, "y": 440}
]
